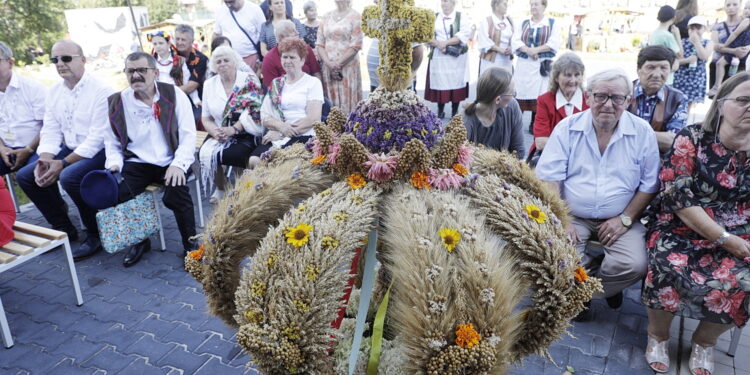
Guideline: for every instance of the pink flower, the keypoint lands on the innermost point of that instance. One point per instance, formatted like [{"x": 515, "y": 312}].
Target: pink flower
[
  {"x": 650, "y": 278},
  {"x": 333, "y": 153},
  {"x": 380, "y": 167},
  {"x": 705, "y": 260},
  {"x": 728, "y": 263},
  {"x": 317, "y": 149},
  {"x": 444, "y": 179},
  {"x": 664, "y": 217},
  {"x": 465, "y": 155},
  {"x": 726, "y": 180},
  {"x": 683, "y": 146},
  {"x": 669, "y": 298},
  {"x": 717, "y": 301},
  {"x": 698, "y": 277},
  {"x": 738, "y": 314},
  {"x": 723, "y": 274},
  {"x": 678, "y": 260},
  {"x": 718, "y": 149}
]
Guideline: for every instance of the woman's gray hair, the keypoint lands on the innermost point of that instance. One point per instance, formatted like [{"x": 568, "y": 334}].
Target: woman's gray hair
[
  {"x": 285, "y": 27},
  {"x": 5, "y": 51},
  {"x": 567, "y": 62},
  {"x": 608, "y": 76},
  {"x": 223, "y": 51},
  {"x": 308, "y": 5},
  {"x": 713, "y": 118}
]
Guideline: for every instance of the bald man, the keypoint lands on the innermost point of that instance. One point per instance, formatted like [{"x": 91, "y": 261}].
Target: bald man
[{"x": 71, "y": 144}]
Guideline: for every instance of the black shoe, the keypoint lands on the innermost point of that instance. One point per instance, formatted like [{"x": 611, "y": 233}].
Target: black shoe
[
  {"x": 441, "y": 115},
  {"x": 135, "y": 252},
  {"x": 586, "y": 314},
  {"x": 90, "y": 246},
  {"x": 615, "y": 301}
]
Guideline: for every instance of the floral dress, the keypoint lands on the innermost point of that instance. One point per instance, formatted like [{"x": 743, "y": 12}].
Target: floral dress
[
  {"x": 336, "y": 37},
  {"x": 687, "y": 274},
  {"x": 691, "y": 80}
]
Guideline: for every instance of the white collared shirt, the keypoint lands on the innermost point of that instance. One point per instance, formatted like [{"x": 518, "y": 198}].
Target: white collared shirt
[
  {"x": 575, "y": 102},
  {"x": 21, "y": 111},
  {"x": 596, "y": 185},
  {"x": 250, "y": 16},
  {"x": 145, "y": 135},
  {"x": 76, "y": 118}
]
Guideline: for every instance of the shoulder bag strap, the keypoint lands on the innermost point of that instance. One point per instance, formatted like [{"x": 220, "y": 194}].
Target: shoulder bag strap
[{"x": 255, "y": 45}]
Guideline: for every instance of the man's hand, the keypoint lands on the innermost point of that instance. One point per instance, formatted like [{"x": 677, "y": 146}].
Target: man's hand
[
  {"x": 174, "y": 177},
  {"x": 47, "y": 172},
  {"x": 5, "y": 154},
  {"x": 22, "y": 156},
  {"x": 611, "y": 230}
]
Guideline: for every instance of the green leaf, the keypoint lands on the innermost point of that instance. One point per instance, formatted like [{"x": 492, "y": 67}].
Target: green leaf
[{"x": 570, "y": 369}]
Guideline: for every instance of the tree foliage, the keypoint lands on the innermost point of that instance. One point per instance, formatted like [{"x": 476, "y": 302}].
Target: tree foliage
[
  {"x": 158, "y": 10},
  {"x": 31, "y": 24}
]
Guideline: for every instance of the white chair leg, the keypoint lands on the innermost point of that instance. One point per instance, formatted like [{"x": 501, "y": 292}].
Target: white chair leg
[
  {"x": 73, "y": 273},
  {"x": 736, "y": 334},
  {"x": 200, "y": 201},
  {"x": 13, "y": 197},
  {"x": 7, "y": 338},
  {"x": 161, "y": 227}
]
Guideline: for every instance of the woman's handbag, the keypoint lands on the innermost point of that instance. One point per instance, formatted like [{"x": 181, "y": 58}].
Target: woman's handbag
[
  {"x": 456, "y": 50},
  {"x": 128, "y": 223},
  {"x": 545, "y": 67}
]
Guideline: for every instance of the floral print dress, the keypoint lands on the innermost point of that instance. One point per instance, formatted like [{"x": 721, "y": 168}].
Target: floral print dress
[
  {"x": 336, "y": 37},
  {"x": 687, "y": 274}
]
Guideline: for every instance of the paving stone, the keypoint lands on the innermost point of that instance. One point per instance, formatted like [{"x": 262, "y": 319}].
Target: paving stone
[
  {"x": 45, "y": 335},
  {"x": 183, "y": 334},
  {"x": 160, "y": 288},
  {"x": 67, "y": 367},
  {"x": 19, "y": 349},
  {"x": 37, "y": 361},
  {"x": 139, "y": 366},
  {"x": 79, "y": 349},
  {"x": 580, "y": 361},
  {"x": 164, "y": 306},
  {"x": 215, "y": 366},
  {"x": 218, "y": 326},
  {"x": 182, "y": 359},
  {"x": 103, "y": 288},
  {"x": 191, "y": 296},
  {"x": 116, "y": 336},
  {"x": 154, "y": 325},
  {"x": 108, "y": 359},
  {"x": 87, "y": 325},
  {"x": 148, "y": 347},
  {"x": 226, "y": 350},
  {"x": 131, "y": 297},
  {"x": 190, "y": 316},
  {"x": 62, "y": 317}
]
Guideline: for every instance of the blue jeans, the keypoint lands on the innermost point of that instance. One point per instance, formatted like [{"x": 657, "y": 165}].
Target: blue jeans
[
  {"x": 4, "y": 169},
  {"x": 48, "y": 199}
]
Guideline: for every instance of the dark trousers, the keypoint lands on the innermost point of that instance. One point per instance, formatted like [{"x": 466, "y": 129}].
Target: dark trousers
[
  {"x": 48, "y": 199},
  {"x": 239, "y": 152},
  {"x": 137, "y": 176}
]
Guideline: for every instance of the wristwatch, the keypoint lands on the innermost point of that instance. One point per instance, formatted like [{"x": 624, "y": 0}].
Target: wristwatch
[
  {"x": 722, "y": 239},
  {"x": 626, "y": 221},
  {"x": 65, "y": 163}
]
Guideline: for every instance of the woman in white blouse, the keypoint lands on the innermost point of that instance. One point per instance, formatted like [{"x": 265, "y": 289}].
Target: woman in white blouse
[
  {"x": 231, "y": 116},
  {"x": 294, "y": 101},
  {"x": 495, "y": 33}
]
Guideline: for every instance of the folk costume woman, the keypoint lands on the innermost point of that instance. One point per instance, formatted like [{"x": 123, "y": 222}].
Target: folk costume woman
[{"x": 172, "y": 67}]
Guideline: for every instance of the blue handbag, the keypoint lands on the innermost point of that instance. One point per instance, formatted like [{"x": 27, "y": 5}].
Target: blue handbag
[{"x": 128, "y": 223}]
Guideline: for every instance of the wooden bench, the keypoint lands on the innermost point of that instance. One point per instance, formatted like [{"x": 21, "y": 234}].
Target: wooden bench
[{"x": 30, "y": 241}]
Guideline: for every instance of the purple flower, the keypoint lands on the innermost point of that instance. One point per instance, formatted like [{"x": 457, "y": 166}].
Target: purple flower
[{"x": 266, "y": 156}]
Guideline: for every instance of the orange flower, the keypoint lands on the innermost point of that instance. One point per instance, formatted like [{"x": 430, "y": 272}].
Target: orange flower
[
  {"x": 197, "y": 254},
  {"x": 581, "y": 274},
  {"x": 318, "y": 159},
  {"x": 467, "y": 336},
  {"x": 420, "y": 181},
  {"x": 460, "y": 169},
  {"x": 356, "y": 181}
]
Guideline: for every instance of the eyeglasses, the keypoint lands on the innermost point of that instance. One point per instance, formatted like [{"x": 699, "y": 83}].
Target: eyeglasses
[
  {"x": 64, "y": 58},
  {"x": 506, "y": 96},
  {"x": 141, "y": 71},
  {"x": 742, "y": 101},
  {"x": 616, "y": 99}
]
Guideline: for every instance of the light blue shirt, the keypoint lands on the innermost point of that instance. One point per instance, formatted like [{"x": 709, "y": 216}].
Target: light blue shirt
[{"x": 597, "y": 186}]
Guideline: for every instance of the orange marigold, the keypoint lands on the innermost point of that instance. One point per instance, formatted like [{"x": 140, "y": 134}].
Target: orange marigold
[
  {"x": 460, "y": 169},
  {"x": 318, "y": 159},
  {"x": 356, "y": 181},
  {"x": 581, "y": 274},
  {"x": 197, "y": 254},
  {"x": 467, "y": 336},
  {"x": 419, "y": 180}
]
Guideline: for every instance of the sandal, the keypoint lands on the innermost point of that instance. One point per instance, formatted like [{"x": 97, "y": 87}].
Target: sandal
[
  {"x": 216, "y": 196},
  {"x": 701, "y": 360},
  {"x": 657, "y": 355}
]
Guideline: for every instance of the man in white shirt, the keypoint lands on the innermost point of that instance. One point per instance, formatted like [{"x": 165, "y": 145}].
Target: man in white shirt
[
  {"x": 151, "y": 139},
  {"x": 21, "y": 115},
  {"x": 70, "y": 145},
  {"x": 604, "y": 162},
  {"x": 240, "y": 21}
]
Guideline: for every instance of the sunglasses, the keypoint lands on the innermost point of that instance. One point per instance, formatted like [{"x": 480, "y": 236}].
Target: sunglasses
[
  {"x": 141, "y": 71},
  {"x": 64, "y": 58}
]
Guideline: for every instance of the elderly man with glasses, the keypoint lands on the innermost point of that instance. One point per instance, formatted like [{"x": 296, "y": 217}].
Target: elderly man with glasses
[
  {"x": 151, "y": 139},
  {"x": 71, "y": 145},
  {"x": 604, "y": 162}
]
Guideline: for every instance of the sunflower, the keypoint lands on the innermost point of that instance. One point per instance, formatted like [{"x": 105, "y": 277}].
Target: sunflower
[
  {"x": 536, "y": 213},
  {"x": 451, "y": 238},
  {"x": 356, "y": 181},
  {"x": 467, "y": 336},
  {"x": 299, "y": 235},
  {"x": 419, "y": 180}
]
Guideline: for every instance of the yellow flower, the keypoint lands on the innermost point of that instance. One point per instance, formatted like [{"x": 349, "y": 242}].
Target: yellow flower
[
  {"x": 451, "y": 238},
  {"x": 387, "y": 135},
  {"x": 301, "y": 208},
  {"x": 271, "y": 261},
  {"x": 258, "y": 289},
  {"x": 249, "y": 184},
  {"x": 329, "y": 243},
  {"x": 467, "y": 336},
  {"x": 419, "y": 180},
  {"x": 356, "y": 181},
  {"x": 301, "y": 306},
  {"x": 340, "y": 216},
  {"x": 312, "y": 272},
  {"x": 299, "y": 235},
  {"x": 318, "y": 159},
  {"x": 581, "y": 274},
  {"x": 291, "y": 333},
  {"x": 254, "y": 316},
  {"x": 357, "y": 200},
  {"x": 369, "y": 130},
  {"x": 197, "y": 254},
  {"x": 325, "y": 192},
  {"x": 460, "y": 169},
  {"x": 535, "y": 213}
]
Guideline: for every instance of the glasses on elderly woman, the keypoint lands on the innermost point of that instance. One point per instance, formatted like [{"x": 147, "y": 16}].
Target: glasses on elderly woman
[
  {"x": 601, "y": 98},
  {"x": 742, "y": 101}
]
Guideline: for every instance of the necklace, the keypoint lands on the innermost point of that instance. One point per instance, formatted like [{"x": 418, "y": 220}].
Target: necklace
[{"x": 168, "y": 63}]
